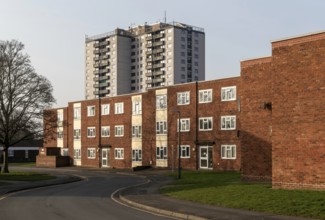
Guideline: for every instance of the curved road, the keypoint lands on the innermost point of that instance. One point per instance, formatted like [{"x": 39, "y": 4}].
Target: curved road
[{"x": 89, "y": 199}]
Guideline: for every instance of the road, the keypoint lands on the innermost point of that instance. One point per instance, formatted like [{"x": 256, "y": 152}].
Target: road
[{"x": 89, "y": 199}]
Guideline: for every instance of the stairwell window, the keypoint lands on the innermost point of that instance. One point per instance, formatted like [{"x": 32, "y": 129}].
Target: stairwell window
[
  {"x": 136, "y": 107},
  {"x": 76, "y": 134},
  {"x": 137, "y": 155},
  {"x": 136, "y": 131},
  {"x": 76, "y": 154},
  {"x": 161, "y": 102},
  {"x": 161, "y": 127},
  {"x": 161, "y": 153}
]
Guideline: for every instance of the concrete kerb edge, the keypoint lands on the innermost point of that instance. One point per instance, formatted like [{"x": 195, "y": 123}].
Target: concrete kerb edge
[
  {"x": 40, "y": 185},
  {"x": 150, "y": 208}
]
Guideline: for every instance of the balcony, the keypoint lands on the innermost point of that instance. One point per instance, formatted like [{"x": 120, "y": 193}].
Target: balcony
[
  {"x": 104, "y": 91},
  {"x": 148, "y": 67},
  {"x": 158, "y": 65},
  {"x": 158, "y": 58},
  {"x": 158, "y": 80},
  {"x": 104, "y": 43},
  {"x": 158, "y": 73},
  {"x": 156, "y": 36},
  {"x": 149, "y": 45},
  {"x": 148, "y": 37},
  {"x": 149, "y": 74},
  {"x": 158, "y": 43},
  {"x": 160, "y": 50},
  {"x": 148, "y": 52}
]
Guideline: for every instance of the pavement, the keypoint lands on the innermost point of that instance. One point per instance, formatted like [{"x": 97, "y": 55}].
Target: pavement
[{"x": 147, "y": 197}]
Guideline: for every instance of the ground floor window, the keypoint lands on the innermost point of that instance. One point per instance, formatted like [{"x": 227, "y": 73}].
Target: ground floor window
[
  {"x": 119, "y": 153},
  {"x": 76, "y": 154},
  {"x": 91, "y": 153},
  {"x": 137, "y": 155},
  {"x": 228, "y": 151},
  {"x": 185, "y": 151},
  {"x": 161, "y": 153}
]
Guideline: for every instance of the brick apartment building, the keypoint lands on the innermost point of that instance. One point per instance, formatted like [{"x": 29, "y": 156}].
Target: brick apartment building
[{"x": 269, "y": 122}]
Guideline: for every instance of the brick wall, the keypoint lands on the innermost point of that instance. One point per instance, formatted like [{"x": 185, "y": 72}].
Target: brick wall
[
  {"x": 256, "y": 119},
  {"x": 298, "y": 113}
]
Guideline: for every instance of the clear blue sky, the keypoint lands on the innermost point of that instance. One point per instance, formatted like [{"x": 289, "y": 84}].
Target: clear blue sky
[{"x": 53, "y": 31}]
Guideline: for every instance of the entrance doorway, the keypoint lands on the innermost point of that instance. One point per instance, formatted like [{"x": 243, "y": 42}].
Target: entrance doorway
[
  {"x": 105, "y": 157},
  {"x": 206, "y": 161}
]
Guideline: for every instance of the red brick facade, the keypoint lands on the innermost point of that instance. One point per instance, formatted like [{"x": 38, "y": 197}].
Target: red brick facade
[{"x": 277, "y": 109}]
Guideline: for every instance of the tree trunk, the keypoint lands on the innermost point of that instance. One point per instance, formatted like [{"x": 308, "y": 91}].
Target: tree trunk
[{"x": 5, "y": 160}]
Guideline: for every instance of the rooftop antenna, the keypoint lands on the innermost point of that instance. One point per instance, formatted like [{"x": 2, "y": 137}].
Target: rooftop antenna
[{"x": 165, "y": 17}]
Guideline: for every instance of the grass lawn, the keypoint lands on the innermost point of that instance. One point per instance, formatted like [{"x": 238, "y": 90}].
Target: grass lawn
[
  {"x": 25, "y": 176},
  {"x": 225, "y": 189},
  {"x": 23, "y": 164}
]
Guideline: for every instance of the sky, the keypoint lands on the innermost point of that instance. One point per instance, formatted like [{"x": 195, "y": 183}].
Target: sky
[{"x": 53, "y": 31}]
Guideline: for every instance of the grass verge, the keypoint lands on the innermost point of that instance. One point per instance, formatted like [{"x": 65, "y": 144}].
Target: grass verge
[
  {"x": 25, "y": 176},
  {"x": 226, "y": 189}
]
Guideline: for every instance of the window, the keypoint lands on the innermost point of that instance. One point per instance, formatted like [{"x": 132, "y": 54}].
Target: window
[
  {"x": 91, "y": 132},
  {"x": 60, "y": 134},
  {"x": 205, "y": 96},
  {"x": 105, "y": 131},
  {"x": 228, "y": 151},
  {"x": 161, "y": 101},
  {"x": 26, "y": 154},
  {"x": 119, "y": 130},
  {"x": 76, "y": 113},
  {"x": 228, "y": 93},
  {"x": 119, "y": 153},
  {"x": 137, "y": 131},
  {"x": 76, "y": 134},
  {"x": 119, "y": 108},
  {"x": 228, "y": 122},
  {"x": 76, "y": 154},
  {"x": 90, "y": 110},
  {"x": 137, "y": 155},
  {"x": 105, "y": 109},
  {"x": 185, "y": 124},
  {"x": 11, "y": 153},
  {"x": 91, "y": 153},
  {"x": 136, "y": 107},
  {"x": 205, "y": 124},
  {"x": 64, "y": 152},
  {"x": 60, "y": 116},
  {"x": 183, "y": 98},
  {"x": 161, "y": 153},
  {"x": 185, "y": 151},
  {"x": 161, "y": 127}
]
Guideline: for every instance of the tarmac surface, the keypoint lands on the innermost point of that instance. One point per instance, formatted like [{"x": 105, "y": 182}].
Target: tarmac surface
[{"x": 146, "y": 197}]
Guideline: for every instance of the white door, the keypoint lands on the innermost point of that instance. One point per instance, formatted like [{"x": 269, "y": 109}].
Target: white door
[
  {"x": 105, "y": 157},
  {"x": 206, "y": 161}
]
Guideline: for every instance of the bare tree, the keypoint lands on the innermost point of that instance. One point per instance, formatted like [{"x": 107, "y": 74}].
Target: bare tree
[{"x": 23, "y": 96}]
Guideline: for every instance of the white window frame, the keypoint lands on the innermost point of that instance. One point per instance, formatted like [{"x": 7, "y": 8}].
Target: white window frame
[
  {"x": 26, "y": 154},
  {"x": 161, "y": 153},
  {"x": 161, "y": 127},
  {"x": 183, "y": 98},
  {"x": 136, "y": 131},
  {"x": 91, "y": 111},
  {"x": 228, "y": 122},
  {"x": 185, "y": 151},
  {"x": 136, "y": 107},
  {"x": 91, "y": 153},
  {"x": 60, "y": 116},
  {"x": 119, "y": 153},
  {"x": 228, "y": 93},
  {"x": 77, "y": 113},
  {"x": 228, "y": 152},
  {"x": 205, "y": 121},
  {"x": 185, "y": 125},
  {"x": 60, "y": 135},
  {"x": 136, "y": 155},
  {"x": 105, "y": 131},
  {"x": 119, "y": 108},
  {"x": 205, "y": 96},
  {"x": 91, "y": 132},
  {"x": 119, "y": 130},
  {"x": 77, "y": 154},
  {"x": 105, "y": 109},
  {"x": 11, "y": 153},
  {"x": 77, "y": 134},
  {"x": 64, "y": 152},
  {"x": 161, "y": 102}
]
